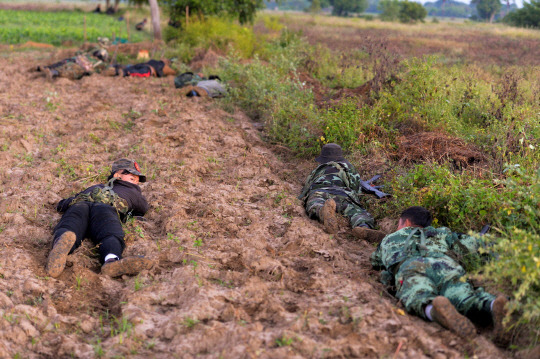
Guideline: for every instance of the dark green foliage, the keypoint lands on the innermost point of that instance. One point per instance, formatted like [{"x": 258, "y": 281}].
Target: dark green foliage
[
  {"x": 528, "y": 16},
  {"x": 242, "y": 10},
  {"x": 411, "y": 11},
  {"x": 389, "y": 9},
  {"x": 487, "y": 9},
  {"x": 346, "y": 7}
]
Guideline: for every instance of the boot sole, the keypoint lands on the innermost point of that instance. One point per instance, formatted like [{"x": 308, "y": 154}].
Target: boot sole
[
  {"x": 447, "y": 316},
  {"x": 58, "y": 255},
  {"x": 329, "y": 216},
  {"x": 127, "y": 265}
]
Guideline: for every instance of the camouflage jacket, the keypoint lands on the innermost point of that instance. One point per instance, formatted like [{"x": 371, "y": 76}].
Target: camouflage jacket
[
  {"x": 132, "y": 200},
  {"x": 339, "y": 178},
  {"x": 426, "y": 242}
]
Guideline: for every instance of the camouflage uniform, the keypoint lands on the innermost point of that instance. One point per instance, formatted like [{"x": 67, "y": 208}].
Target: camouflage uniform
[
  {"x": 74, "y": 68},
  {"x": 424, "y": 263},
  {"x": 340, "y": 181}
]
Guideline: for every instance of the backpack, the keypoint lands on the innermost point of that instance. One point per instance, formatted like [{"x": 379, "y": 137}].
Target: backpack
[{"x": 187, "y": 78}]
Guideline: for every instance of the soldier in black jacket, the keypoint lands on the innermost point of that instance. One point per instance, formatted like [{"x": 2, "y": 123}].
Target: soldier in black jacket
[{"x": 96, "y": 213}]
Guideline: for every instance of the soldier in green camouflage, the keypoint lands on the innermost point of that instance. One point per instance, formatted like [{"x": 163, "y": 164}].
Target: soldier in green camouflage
[
  {"x": 424, "y": 265},
  {"x": 334, "y": 186},
  {"x": 76, "y": 67}
]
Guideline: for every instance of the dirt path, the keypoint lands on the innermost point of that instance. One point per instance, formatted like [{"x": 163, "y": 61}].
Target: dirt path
[{"x": 241, "y": 271}]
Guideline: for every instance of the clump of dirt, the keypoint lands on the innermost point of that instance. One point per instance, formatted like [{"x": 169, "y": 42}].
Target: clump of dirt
[
  {"x": 439, "y": 147},
  {"x": 204, "y": 59},
  {"x": 241, "y": 272}
]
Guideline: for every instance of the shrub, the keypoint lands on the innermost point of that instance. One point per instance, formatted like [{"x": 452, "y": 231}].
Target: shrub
[
  {"x": 527, "y": 16},
  {"x": 212, "y": 32},
  {"x": 411, "y": 11}
]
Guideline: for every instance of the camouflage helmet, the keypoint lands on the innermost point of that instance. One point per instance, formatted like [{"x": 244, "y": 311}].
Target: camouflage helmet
[
  {"x": 130, "y": 166},
  {"x": 330, "y": 152}
]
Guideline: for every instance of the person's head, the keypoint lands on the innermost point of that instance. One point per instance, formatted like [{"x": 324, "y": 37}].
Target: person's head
[
  {"x": 331, "y": 152},
  {"x": 127, "y": 170},
  {"x": 415, "y": 217}
]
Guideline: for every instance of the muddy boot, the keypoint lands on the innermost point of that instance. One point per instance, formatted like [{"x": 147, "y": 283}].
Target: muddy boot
[
  {"x": 58, "y": 255},
  {"x": 447, "y": 316},
  {"x": 368, "y": 234},
  {"x": 128, "y": 265},
  {"x": 328, "y": 216},
  {"x": 501, "y": 337}
]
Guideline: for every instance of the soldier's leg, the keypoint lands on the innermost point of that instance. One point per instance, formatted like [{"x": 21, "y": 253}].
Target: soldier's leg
[
  {"x": 315, "y": 203},
  {"x": 68, "y": 235},
  {"x": 106, "y": 231},
  {"x": 75, "y": 220},
  {"x": 473, "y": 303},
  {"x": 356, "y": 214},
  {"x": 322, "y": 206},
  {"x": 418, "y": 286},
  {"x": 414, "y": 287}
]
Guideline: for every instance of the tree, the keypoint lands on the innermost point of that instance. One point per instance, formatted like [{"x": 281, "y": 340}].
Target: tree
[
  {"x": 411, "y": 11},
  {"x": 243, "y": 10},
  {"x": 346, "y": 7},
  {"x": 487, "y": 9},
  {"x": 527, "y": 16},
  {"x": 389, "y": 9},
  {"x": 154, "y": 14}
]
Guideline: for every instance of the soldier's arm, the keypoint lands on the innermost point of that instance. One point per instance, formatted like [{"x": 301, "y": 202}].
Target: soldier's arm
[
  {"x": 63, "y": 205},
  {"x": 464, "y": 244}
]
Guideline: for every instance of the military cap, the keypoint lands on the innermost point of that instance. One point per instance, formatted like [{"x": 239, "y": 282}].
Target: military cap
[
  {"x": 330, "y": 152},
  {"x": 130, "y": 166}
]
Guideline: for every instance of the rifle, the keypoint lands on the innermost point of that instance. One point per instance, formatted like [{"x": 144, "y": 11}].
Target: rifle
[{"x": 369, "y": 188}]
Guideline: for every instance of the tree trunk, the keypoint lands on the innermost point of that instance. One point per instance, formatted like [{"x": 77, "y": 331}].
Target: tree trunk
[
  {"x": 116, "y": 2},
  {"x": 107, "y": 3},
  {"x": 154, "y": 14}
]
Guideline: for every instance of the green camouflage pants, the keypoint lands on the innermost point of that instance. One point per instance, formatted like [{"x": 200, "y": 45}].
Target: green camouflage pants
[
  {"x": 344, "y": 205},
  {"x": 420, "y": 279}
]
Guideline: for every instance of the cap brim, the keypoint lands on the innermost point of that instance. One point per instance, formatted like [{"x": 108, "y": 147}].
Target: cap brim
[{"x": 142, "y": 178}]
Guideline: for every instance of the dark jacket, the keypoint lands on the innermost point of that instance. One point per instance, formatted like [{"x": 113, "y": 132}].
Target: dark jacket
[{"x": 137, "y": 204}]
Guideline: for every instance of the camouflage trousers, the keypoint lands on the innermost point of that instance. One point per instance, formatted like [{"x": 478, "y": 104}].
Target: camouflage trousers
[
  {"x": 71, "y": 70},
  {"x": 344, "y": 205},
  {"x": 420, "y": 279}
]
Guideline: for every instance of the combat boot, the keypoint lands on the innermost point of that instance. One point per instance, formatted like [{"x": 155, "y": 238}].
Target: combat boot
[
  {"x": 498, "y": 313},
  {"x": 328, "y": 216},
  {"x": 447, "y": 316},
  {"x": 368, "y": 234},
  {"x": 128, "y": 265},
  {"x": 58, "y": 255}
]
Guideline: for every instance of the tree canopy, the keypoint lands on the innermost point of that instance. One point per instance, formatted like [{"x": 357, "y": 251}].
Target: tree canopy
[
  {"x": 528, "y": 16},
  {"x": 243, "y": 10},
  {"x": 487, "y": 9}
]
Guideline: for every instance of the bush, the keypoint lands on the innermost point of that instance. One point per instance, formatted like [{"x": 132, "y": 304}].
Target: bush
[
  {"x": 411, "y": 11},
  {"x": 212, "y": 32},
  {"x": 389, "y": 9},
  {"x": 527, "y": 16},
  {"x": 516, "y": 252}
]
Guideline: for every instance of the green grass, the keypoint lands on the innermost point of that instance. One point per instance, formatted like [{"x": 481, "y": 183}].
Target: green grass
[{"x": 59, "y": 27}]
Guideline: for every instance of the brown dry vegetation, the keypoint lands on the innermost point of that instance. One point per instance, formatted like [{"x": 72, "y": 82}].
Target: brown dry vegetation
[
  {"x": 240, "y": 272},
  {"x": 455, "y": 43}
]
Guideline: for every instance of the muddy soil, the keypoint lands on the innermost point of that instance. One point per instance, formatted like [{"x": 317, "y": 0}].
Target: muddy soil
[{"x": 240, "y": 271}]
